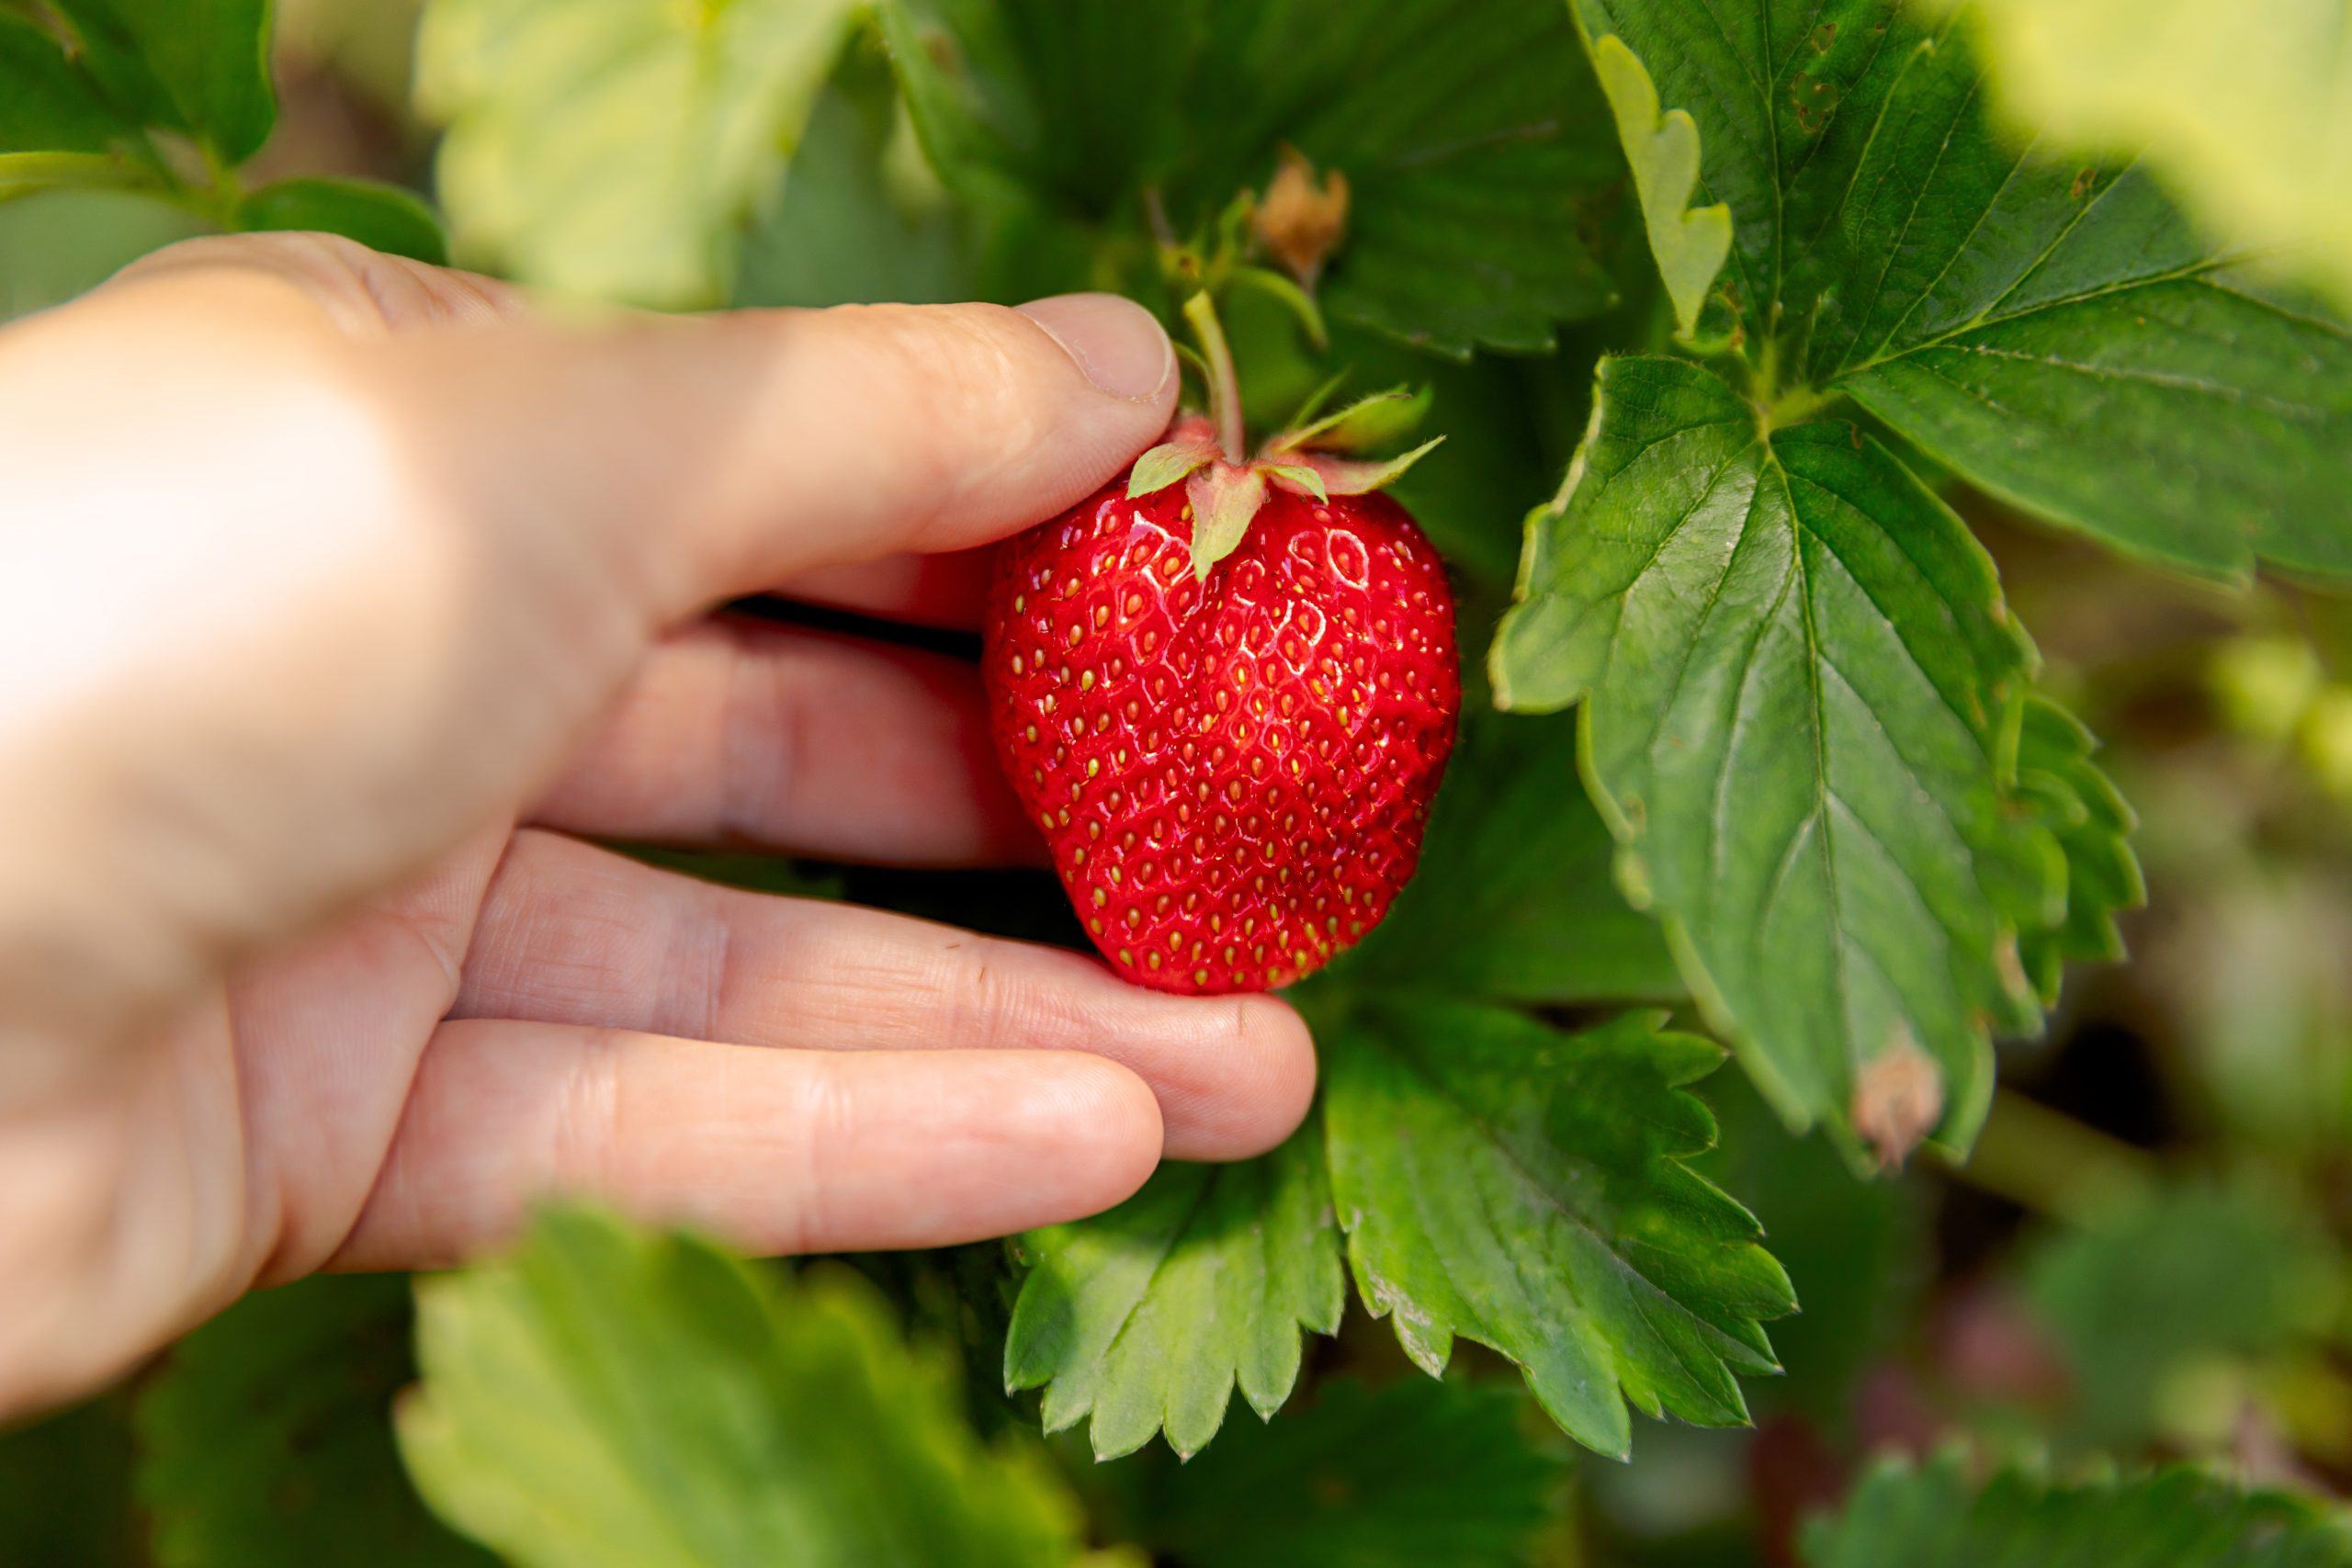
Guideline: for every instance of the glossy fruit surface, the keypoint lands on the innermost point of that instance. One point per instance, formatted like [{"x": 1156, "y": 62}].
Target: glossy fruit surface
[{"x": 1233, "y": 772}]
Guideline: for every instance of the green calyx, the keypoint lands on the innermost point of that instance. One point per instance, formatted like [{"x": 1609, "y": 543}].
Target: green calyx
[{"x": 1317, "y": 457}]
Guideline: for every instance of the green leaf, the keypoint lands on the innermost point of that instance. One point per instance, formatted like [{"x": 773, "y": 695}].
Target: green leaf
[
  {"x": 1473, "y": 153},
  {"x": 200, "y": 66},
  {"x": 2094, "y": 829},
  {"x": 867, "y": 219},
  {"x": 55, "y": 244},
  {"x": 2058, "y": 336},
  {"x": 606, "y": 1398},
  {"x": 1689, "y": 244},
  {"x": 1496, "y": 467},
  {"x": 2053, "y": 333},
  {"x": 614, "y": 149},
  {"x": 1514, "y": 900},
  {"x": 1367, "y": 422},
  {"x": 1013, "y": 97},
  {"x": 1772, "y": 94},
  {"x": 2194, "y": 418},
  {"x": 1471, "y": 170},
  {"x": 2245, "y": 111},
  {"x": 109, "y": 52},
  {"x": 1931, "y": 1517},
  {"x": 383, "y": 217},
  {"x": 65, "y": 1489},
  {"x": 1417, "y": 1474},
  {"x": 1796, "y": 671},
  {"x": 1529, "y": 1190},
  {"x": 1146, "y": 1318},
  {"x": 2143, "y": 1302},
  {"x": 267, "y": 1438},
  {"x": 47, "y": 104}
]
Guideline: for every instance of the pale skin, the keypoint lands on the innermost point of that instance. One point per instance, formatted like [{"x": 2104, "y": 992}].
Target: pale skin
[{"x": 343, "y": 601}]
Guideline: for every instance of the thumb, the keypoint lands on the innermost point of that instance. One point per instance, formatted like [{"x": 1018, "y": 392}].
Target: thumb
[
  {"x": 724, "y": 455},
  {"x": 709, "y": 456}
]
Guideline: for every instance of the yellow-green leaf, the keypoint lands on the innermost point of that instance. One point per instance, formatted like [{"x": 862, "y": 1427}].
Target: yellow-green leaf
[
  {"x": 614, "y": 149},
  {"x": 1688, "y": 242},
  {"x": 2244, "y": 107},
  {"x": 608, "y": 1398}
]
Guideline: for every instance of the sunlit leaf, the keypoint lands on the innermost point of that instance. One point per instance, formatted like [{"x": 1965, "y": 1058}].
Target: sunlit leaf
[
  {"x": 614, "y": 149},
  {"x": 2245, "y": 109},
  {"x": 1663, "y": 149},
  {"x": 610, "y": 1399}
]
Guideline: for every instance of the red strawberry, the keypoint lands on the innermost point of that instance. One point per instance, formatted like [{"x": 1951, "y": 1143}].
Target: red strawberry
[{"x": 1231, "y": 752}]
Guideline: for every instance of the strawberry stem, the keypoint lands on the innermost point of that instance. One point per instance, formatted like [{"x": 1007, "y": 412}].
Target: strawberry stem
[{"x": 1225, "y": 384}]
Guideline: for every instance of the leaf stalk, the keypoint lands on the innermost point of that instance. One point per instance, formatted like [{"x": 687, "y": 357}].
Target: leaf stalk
[{"x": 1224, "y": 381}]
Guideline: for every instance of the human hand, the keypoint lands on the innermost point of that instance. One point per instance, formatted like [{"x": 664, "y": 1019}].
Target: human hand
[{"x": 335, "y": 593}]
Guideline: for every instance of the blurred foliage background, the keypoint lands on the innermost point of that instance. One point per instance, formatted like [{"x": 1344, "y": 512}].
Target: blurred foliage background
[{"x": 2145, "y": 1259}]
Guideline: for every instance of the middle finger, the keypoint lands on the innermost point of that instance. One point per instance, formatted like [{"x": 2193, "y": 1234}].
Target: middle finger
[{"x": 573, "y": 934}]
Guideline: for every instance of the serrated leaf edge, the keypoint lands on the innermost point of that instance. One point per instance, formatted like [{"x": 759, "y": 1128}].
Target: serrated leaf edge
[
  {"x": 1429, "y": 1348},
  {"x": 1966, "y": 1105},
  {"x": 1689, "y": 244}
]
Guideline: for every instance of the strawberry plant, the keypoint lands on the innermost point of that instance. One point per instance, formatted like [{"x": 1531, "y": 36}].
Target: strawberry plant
[{"x": 1803, "y": 374}]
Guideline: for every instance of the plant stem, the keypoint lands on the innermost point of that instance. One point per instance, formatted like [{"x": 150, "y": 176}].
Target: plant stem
[
  {"x": 1225, "y": 384},
  {"x": 227, "y": 192},
  {"x": 2052, "y": 1165},
  {"x": 25, "y": 172}
]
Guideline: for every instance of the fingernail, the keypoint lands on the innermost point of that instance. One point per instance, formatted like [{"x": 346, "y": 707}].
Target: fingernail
[{"x": 1115, "y": 342}]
